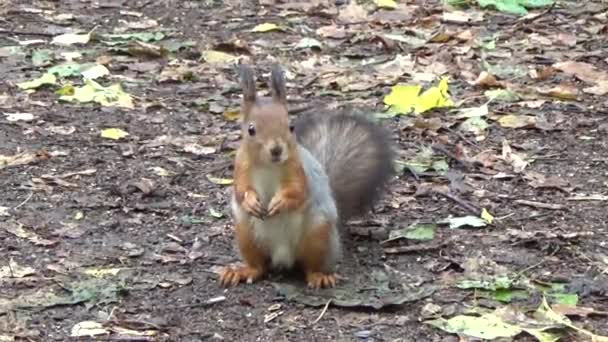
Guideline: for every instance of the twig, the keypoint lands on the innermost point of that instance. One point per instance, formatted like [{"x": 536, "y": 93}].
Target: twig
[
  {"x": 322, "y": 312},
  {"x": 448, "y": 153},
  {"x": 27, "y": 33},
  {"x": 466, "y": 205},
  {"x": 543, "y": 13},
  {"x": 208, "y": 302},
  {"x": 24, "y": 201},
  {"x": 542, "y": 205},
  {"x": 417, "y": 248}
]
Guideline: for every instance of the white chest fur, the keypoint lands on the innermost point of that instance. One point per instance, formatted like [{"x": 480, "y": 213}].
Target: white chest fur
[{"x": 278, "y": 235}]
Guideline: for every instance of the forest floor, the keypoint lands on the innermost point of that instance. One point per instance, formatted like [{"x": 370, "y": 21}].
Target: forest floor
[{"x": 497, "y": 209}]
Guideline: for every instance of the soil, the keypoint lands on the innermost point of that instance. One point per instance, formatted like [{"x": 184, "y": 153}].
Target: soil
[{"x": 150, "y": 209}]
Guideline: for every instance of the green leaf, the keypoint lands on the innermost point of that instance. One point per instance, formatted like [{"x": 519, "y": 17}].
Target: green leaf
[
  {"x": 501, "y": 95},
  {"x": 517, "y": 7},
  {"x": 38, "y": 82},
  {"x": 215, "y": 213},
  {"x": 420, "y": 232},
  {"x": 91, "y": 91},
  {"x": 68, "y": 69},
  {"x": 507, "y": 295},
  {"x": 41, "y": 57},
  {"x": 425, "y": 160},
  {"x": 146, "y": 37},
  {"x": 565, "y": 298},
  {"x": 492, "y": 284}
]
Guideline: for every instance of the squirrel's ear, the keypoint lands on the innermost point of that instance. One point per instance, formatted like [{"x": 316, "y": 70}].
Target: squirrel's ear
[
  {"x": 247, "y": 83},
  {"x": 277, "y": 84}
]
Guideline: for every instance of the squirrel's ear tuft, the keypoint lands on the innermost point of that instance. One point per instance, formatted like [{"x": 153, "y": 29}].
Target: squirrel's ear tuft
[
  {"x": 247, "y": 80},
  {"x": 277, "y": 84}
]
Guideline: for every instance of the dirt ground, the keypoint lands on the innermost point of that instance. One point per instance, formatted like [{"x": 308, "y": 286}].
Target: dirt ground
[{"x": 145, "y": 204}]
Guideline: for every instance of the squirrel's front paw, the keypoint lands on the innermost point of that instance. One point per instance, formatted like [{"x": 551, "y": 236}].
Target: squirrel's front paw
[
  {"x": 252, "y": 204},
  {"x": 276, "y": 205},
  {"x": 232, "y": 276}
]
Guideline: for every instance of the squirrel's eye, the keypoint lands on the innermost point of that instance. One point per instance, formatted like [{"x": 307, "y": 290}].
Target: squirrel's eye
[
  {"x": 292, "y": 127},
  {"x": 251, "y": 129}
]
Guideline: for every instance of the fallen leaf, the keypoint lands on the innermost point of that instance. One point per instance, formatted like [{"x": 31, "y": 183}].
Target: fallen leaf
[
  {"x": 14, "y": 270},
  {"x": 113, "y": 133},
  {"x": 88, "y": 328},
  {"x": 265, "y": 27},
  {"x": 517, "y": 121},
  {"x": 40, "y": 81},
  {"x": 96, "y": 71},
  {"x": 583, "y": 71},
  {"x": 419, "y": 232},
  {"x": 306, "y": 43},
  {"x": 465, "y": 221},
  {"x": 18, "y": 230},
  {"x": 91, "y": 91},
  {"x": 12, "y": 117},
  {"x": 220, "y": 181},
  {"x": 485, "y": 214},
  {"x": 218, "y": 57},
  {"x": 388, "y": 4},
  {"x": 71, "y": 39}
]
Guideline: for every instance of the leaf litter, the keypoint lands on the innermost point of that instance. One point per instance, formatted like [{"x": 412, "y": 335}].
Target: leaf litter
[{"x": 500, "y": 95}]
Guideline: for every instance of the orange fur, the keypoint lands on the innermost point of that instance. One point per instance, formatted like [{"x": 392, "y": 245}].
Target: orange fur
[
  {"x": 312, "y": 252},
  {"x": 255, "y": 259}
]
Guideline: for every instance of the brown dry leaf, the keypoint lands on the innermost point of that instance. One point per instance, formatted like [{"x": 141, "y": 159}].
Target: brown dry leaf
[
  {"x": 23, "y": 158},
  {"x": 352, "y": 13},
  {"x": 567, "y": 39},
  {"x": 18, "y": 230},
  {"x": 486, "y": 80},
  {"x": 332, "y": 31},
  {"x": 562, "y": 91},
  {"x": 569, "y": 310},
  {"x": 515, "y": 160},
  {"x": 543, "y": 73},
  {"x": 600, "y": 89},
  {"x": 583, "y": 71},
  {"x": 538, "y": 180}
]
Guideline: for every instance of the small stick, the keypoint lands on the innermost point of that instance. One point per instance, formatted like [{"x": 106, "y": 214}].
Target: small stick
[
  {"x": 322, "y": 312},
  {"x": 542, "y": 205}
]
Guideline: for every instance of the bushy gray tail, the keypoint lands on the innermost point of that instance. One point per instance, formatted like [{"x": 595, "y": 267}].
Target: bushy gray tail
[{"x": 356, "y": 155}]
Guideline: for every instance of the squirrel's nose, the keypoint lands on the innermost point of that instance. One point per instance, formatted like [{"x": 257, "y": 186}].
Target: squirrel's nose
[{"x": 276, "y": 151}]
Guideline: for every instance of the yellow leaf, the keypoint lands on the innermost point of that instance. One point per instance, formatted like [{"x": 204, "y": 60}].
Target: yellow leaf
[
  {"x": 44, "y": 79},
  {"x": 100, "y": 272},
  {"x": 217, "y": 57},
  {"x": 390, "y": 4},
  {"x": 232, "y": 114},
  {"x": 485, "y": 214},
  {"x": 113, "y": 133},
  {"x": 265, "y": 27},
  {"x": 434, "y": 97},
  {"x": 219, "y": 181},
  {"x": 403, "y": 98}
]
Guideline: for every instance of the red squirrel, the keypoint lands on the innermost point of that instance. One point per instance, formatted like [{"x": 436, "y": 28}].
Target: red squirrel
[{"x": 296, "y": 184}]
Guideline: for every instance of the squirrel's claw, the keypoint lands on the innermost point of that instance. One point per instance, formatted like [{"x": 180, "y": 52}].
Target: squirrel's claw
[
  {"x": 252, "y": 205},
  {"x": 232, "y": 276},
  {"x": 275, "y": 206},
  {"x": 317, "y": 280}
]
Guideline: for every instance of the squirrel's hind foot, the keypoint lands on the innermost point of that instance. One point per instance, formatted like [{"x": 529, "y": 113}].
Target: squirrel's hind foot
[
  {"x": 232, "y": 276},
  {"x": 317, "y": 280}
]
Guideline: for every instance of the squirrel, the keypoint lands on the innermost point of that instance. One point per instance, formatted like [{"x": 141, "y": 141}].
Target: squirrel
[{"x": 295, "y": 184}]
